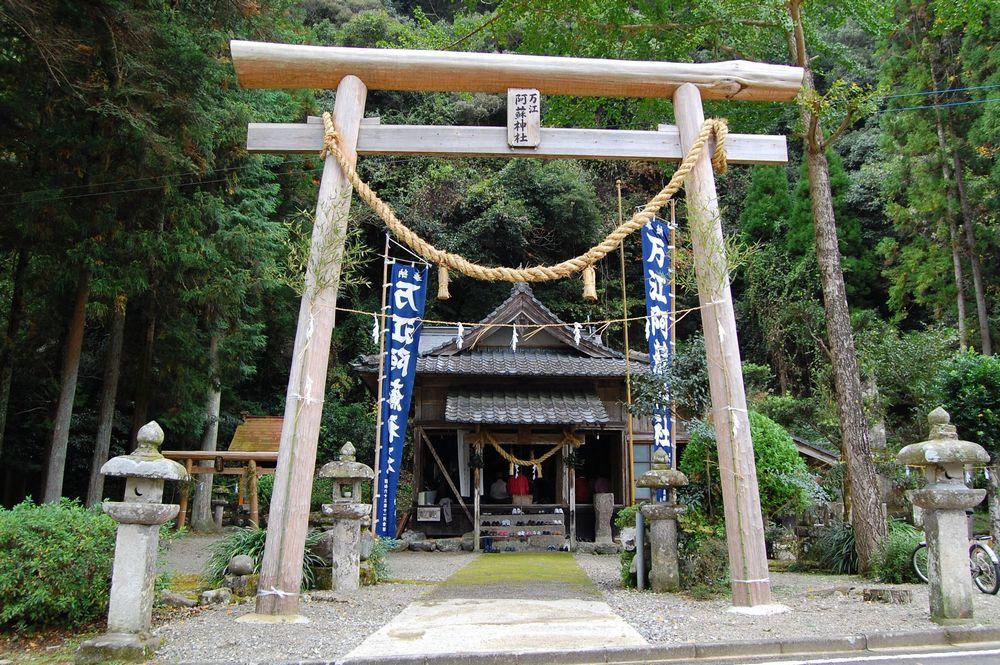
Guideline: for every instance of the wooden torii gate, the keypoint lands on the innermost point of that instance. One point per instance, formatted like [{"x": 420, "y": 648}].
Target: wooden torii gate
[{"x": 352, "y": 71}]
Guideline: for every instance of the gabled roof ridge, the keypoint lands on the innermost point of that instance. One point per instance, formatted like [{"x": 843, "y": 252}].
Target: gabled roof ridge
[{"x": 587, "y": 346}]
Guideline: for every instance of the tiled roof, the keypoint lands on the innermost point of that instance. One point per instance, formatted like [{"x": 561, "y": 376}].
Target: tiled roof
[
  {"x": 527, "y": 362},
  {"x": 525, "y": 408},
  {"x": 257, "y": 434},
  {"x": 524, "y": 362}
]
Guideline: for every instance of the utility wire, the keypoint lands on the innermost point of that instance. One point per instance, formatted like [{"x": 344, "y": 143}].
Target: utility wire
[
  {"x": 151, "y": 177},
  {"x": 4, "y": 204},
  {"x": 936, "y": 92},
  {"x": 941, "y": 106}
]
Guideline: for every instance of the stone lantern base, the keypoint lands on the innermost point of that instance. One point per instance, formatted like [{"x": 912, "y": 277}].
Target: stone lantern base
[
  {"x": 664, "y": 574},
  {"x": 344, "y": 535},
  {"x": 112, "y": 647}
]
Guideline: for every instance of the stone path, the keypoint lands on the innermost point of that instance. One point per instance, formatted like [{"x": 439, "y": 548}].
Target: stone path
[{"x": 510, "y": 602}]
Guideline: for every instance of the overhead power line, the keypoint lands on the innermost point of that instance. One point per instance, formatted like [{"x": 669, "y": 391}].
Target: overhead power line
[
  {"x": 944, "y": 91},
  {"x": 161, "y": 176},
  {"x": 941, "y": 106}
]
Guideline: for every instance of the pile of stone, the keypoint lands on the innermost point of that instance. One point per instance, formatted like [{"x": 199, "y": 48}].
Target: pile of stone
[{"x": 419, "y": 542}]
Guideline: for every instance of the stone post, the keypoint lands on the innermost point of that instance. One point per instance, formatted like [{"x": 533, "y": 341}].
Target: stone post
[
  {"x": 604, "y": 506},
  {"x": 944, "y": 501},
  {"x": 664, "y": 574},
  {"x": 347, "y": 511},
  {"x": 139, "y": 517}
]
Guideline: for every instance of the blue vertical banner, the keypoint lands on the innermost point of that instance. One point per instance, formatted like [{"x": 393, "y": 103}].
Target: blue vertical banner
[
  {"x": 404, "y": 320},
  {"x": 656, "y": 252}
]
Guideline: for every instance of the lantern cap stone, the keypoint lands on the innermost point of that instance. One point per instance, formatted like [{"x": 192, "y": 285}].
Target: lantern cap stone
[
  {"x": 662, "y": 479},
  {"x": 942, "y": 446},
  {"x": 146, "y": 461},
  {"x": 346, "y": 468}
]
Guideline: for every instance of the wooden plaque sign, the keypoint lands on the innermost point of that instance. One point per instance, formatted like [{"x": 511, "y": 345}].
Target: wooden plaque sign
[
  {"x": 428, "y": 513},
  {"x": 524, "y": 118}
]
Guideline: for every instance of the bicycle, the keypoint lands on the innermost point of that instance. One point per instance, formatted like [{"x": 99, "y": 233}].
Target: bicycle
[{"x": 983, "y": 564}]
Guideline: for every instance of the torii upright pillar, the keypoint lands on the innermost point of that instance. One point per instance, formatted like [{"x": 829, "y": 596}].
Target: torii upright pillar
[
  {"x": 744, "y": 524},
  {"x": 281, "y": 567}
]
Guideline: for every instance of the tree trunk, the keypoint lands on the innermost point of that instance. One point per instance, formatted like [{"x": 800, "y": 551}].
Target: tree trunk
[
  {"x": 949, "y": 213},
  {"x": 13, "y": 325},
  {"x": 109, "y": 390},
  {"x": 140, "y": 409},
  {"x": 970, "y": 247},
  {"x": 201, "y": 507},
  {"x": 934, "y": 60},
  {"x": 956, "y": 260},
  {"x": 67, "y": 392},
  {"x": 868, "y": 519}
]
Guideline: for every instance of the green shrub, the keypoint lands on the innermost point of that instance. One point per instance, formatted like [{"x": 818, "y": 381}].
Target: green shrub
[
  {"x": 782, "y": 477},
  {"x": 626, "y": 516},
  {"x": 265, "y": 487},
  {"x": 704, "y": 566},
  {"x": 321, "y": 492},
  {"x": 626, "y": 558},
  {"x": 832, "y": 549},
  {"x": 55, "y": 564},
  {"x": 968, "y": 387},
  {"x": 250, "y": 541},
  {"x": 892, "y": 562},
  {"x": 376, "y": 568}
]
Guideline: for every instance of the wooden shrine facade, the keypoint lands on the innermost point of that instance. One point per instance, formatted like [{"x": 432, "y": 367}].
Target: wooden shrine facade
[{"x": 552, "y": 397}]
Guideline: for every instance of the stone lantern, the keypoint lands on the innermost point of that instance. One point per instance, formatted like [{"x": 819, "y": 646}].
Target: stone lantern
[
  {"x": 662, "y": 516},
  {"x": 139, "y": 518},
  {"x": 347, "y": 511},
  {"x": 944, "y": 501}
]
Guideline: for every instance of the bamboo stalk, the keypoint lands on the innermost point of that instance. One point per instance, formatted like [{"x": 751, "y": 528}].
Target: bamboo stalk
[
  {"x": 630, "y": 452},
  {"x": 381, "y": 378}
]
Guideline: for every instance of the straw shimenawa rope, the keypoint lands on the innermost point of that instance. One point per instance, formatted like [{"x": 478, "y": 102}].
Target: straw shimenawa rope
[{"x": 610, "y": 243}]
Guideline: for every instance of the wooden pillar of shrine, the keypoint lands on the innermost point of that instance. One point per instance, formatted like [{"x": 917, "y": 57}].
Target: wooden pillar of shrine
[{"x": 744, "y": 524}]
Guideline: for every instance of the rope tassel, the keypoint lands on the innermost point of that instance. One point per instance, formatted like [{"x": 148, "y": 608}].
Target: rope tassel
[
  {"x": 443, "y": 283},
  {"x": 590, "y": 284}
]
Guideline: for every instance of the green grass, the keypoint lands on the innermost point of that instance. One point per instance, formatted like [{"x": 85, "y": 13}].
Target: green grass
[{"x": 521, "y": 568}]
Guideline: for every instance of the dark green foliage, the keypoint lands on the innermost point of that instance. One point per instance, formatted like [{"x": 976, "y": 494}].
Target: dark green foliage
[
  {"x": 55, "y": 565},
  {"x": 968, "y": 387},
  {"x": 250, "y": 541},
  {"x": 626, "y": 516},
  {"x": 376, "y": 568},
  {"x": 784, "y": 481},
  {"x": 704, "y": 567},
  {"x": 893, "y": 562},
  {"x": 832, "y": 549}
]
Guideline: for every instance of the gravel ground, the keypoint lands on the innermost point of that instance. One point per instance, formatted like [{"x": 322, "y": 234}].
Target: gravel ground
[
  {"x": 210, "y": 635},
  {"x": 822, "y": 605}
]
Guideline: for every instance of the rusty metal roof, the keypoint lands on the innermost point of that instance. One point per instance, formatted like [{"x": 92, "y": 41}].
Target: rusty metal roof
[
  {"x": 525, "y": 408},
  {"x": 258, "y": 434}
]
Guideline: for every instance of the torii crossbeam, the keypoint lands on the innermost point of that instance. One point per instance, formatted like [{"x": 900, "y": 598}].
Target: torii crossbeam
[{"x": 353, "y": 71}]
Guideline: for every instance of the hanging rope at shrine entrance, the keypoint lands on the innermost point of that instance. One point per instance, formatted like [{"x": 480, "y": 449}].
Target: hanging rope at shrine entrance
[
  {"x": 569, "y": 438},
  {"x": 584, "y": 262}
]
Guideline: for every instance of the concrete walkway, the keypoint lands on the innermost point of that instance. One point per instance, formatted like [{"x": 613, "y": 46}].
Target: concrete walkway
[{"x": 504, "y": 603}]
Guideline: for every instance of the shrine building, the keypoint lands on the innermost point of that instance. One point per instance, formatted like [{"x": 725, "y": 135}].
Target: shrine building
[{"x": 481, "y": 403}]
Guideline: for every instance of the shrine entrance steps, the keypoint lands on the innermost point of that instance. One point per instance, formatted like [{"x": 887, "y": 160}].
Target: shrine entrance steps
[{"x": 504, "y": 603}]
